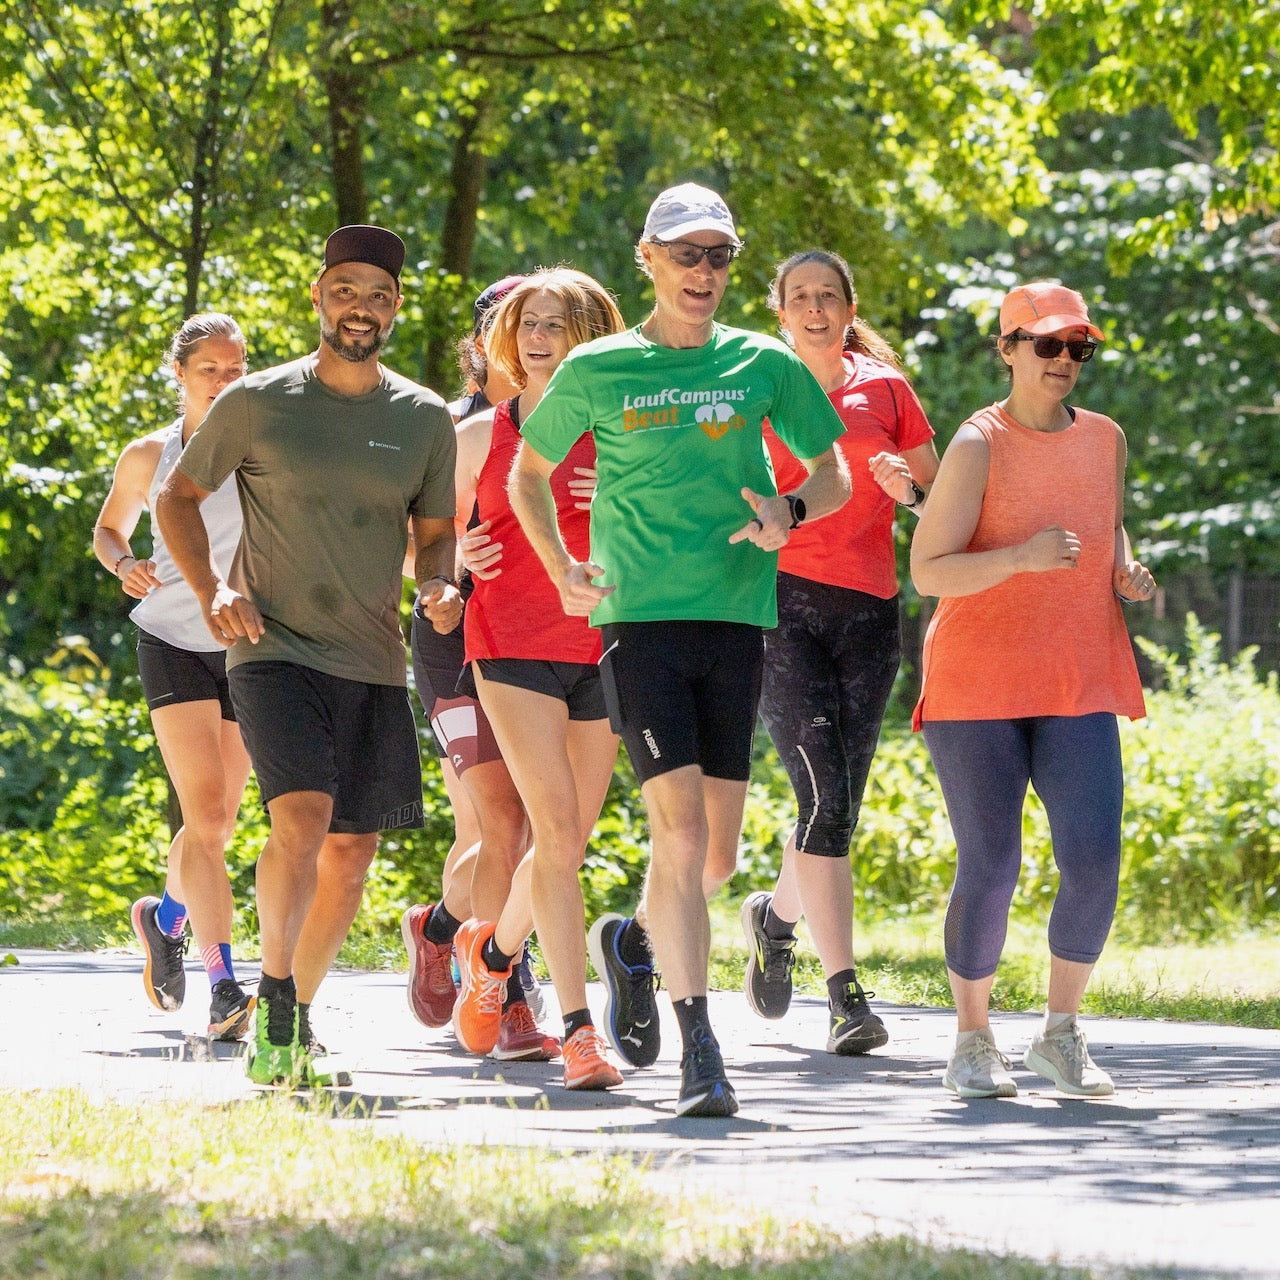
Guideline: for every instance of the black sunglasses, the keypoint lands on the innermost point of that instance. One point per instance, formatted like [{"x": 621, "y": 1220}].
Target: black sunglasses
[
  {"x": 1079, "y": 349},
  {"x": 685, "y": 254}
]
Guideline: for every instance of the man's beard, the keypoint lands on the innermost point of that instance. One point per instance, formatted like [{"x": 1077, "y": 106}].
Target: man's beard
[{"x": 351, "y": 351}]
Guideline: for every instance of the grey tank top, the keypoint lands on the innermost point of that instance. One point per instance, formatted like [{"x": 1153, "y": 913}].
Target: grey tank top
[{"x": 172, "y": 611}]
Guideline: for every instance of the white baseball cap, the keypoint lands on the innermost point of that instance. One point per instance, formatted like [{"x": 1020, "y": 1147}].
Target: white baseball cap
[{"x": 678, "y": 211}]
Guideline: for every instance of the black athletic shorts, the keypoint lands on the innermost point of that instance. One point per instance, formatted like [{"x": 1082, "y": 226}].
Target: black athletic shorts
[
  {"x": 171, "y": 675},
  {"x": 576, "y": 684},
  {"x": 682, "y": 693},
  {"x": 309, "y": 731}
]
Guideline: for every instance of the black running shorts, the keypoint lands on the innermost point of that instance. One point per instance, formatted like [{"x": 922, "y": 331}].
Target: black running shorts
[
  {"x": 576, "y": 684},
  {"x": 309, "y": 731},
  {"x": 684, "y": 693},
  {"x": 171, "y": 675}
]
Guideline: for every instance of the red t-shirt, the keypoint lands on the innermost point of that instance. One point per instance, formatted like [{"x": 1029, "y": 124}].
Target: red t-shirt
[
  {"x": 518, "y": 613},
  {"x": 853, "y": 547}
]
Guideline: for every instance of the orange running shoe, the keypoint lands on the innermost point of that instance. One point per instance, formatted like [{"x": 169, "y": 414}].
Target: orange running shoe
[
  {"x": 520, "y": 1039},
  {"x": 477, "y": 1015},
  {"x": 431, "y": 990},
  {"x": 585, "y": 1064}
]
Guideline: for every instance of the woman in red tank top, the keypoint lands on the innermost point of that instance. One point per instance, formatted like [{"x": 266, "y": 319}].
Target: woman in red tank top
[
  {"x": 1027, "y": 665},
  {"x": 536, "y": 673}
]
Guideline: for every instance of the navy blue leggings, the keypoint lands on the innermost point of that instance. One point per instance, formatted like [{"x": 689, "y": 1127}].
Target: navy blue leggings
[{"x": 984, "y": 767}]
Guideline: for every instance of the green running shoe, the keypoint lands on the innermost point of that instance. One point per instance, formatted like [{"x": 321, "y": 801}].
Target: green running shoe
[{"x": 269, "y": 1061}]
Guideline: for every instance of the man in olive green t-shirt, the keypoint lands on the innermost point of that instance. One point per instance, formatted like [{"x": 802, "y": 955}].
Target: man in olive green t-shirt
[
  {"x": 685, "y": 525},
  {"x": 332, "y": 454}
]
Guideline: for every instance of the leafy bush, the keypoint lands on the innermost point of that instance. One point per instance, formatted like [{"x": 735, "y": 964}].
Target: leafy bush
[
  {"x": 83, "y": 803},
  {"x": 1202, "y": 812}
]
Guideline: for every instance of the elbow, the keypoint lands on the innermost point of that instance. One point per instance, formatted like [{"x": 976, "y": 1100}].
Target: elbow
[{"x": 923, "y": 578}]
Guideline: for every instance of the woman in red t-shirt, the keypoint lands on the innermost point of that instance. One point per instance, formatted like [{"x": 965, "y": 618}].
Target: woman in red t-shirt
[
  {"x": 830, "y": 665},
  {"x": 1027, "y": 665},
  {"x": 537, "y": 674}
]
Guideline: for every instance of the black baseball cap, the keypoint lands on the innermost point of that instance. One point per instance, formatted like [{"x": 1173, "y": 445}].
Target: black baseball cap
[
  {"x": 490, "y": 298},
  {"x": 359, "y": 243}
]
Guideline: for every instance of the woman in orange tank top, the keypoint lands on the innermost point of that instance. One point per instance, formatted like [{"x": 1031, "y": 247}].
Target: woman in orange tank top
[{"x": 1027, "y": 665}]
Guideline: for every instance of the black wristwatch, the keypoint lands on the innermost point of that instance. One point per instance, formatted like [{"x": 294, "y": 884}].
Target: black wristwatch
[
  {"x": 917, "y": 496},
  {"x": 798, "y": 509}
]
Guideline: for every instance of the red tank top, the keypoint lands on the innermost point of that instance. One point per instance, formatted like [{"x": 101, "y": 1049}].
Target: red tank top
[
  {"x": 518, "y": 613},
  {"x": 853, "y": 547},
  {"x": 1038, "y": 644}
]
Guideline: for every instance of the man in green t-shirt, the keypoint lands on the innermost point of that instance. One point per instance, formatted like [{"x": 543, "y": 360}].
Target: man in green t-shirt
[
  {"x": 685, "y": 526},
  {"x": 332, "y": 453}
]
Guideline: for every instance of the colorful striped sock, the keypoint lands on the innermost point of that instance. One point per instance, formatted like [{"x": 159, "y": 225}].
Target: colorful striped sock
[
  {"x": 171, "y": 916},
  {"x": 216, "y": 958}
]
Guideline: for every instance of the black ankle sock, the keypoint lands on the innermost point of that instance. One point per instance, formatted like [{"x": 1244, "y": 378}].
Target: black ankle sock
[
  {"x": 515, "y": 995},
  {"x": 691, "y": 1013},
  {"x": 271, "y": 988},
  {"x": 776, "y": 929},
  {"x": 495, "y": 961},
  {"x": 575, "y": 1021},
  {"x": 838, "y": 983},
  {"x": 633, "y": 945},
  {"x": 440, "y": 926}
]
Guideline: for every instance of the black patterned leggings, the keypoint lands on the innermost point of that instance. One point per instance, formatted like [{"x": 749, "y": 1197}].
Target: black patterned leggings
[{"x": 828, "y": 673}]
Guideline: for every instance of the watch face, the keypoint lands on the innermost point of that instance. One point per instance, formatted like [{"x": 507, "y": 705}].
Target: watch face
[{"x": 798, "y": 510}]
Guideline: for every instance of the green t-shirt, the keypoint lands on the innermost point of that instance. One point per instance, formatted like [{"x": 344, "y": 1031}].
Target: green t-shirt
[
  {"x": 678, "y": 436},
  {"x": 327, "y": 484}
]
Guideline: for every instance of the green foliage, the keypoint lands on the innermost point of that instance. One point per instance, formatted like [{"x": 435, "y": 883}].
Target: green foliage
[
  {"x": 82, "y": 814},
  {"x": 1202, "y": 813}
]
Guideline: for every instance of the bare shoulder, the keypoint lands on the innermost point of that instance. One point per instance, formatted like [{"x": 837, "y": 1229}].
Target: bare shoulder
[
  {"x": 140, "y": 458},
  {"x": 475, "y": 434}
]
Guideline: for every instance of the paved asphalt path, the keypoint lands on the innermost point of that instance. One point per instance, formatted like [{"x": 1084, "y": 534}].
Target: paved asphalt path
[{"x": 1180, "y": 1170}]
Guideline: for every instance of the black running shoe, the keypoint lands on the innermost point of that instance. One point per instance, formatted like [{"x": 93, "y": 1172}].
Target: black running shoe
[
  {"x": 767, "y": 981},
  {"x": 854, "y": 1028},
  {"x": 163, "y": 976},
  {"x": 230, "y": 1010},
  {"x": 631, "y": 1008},
  {"x": 704, "y": 1088}
]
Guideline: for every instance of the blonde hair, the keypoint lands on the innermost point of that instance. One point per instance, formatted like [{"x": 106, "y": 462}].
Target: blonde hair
[
  {"x": 590, "y": 312},
  {"x": 859, "y": 336}
]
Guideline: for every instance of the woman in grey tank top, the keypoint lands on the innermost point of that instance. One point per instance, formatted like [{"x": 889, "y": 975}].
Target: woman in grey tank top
[{"x": 183, "y": 672}]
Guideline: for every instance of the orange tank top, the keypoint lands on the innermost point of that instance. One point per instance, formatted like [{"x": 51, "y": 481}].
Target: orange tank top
[{"x": 1038, "y": 644}]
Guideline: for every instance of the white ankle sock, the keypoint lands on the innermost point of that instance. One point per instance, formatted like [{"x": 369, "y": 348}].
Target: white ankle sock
[{"x": 1052, "y": 1021}]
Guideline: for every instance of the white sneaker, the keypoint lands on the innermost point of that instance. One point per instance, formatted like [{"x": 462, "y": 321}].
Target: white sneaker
[
  {"x": 1062, "y": 1055},
  {"x": 979, "y": 1069}
]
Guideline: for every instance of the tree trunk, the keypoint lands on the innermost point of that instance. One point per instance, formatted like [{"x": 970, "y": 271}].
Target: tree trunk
[
  {"x": 457, "y": 240},
  {"x": 343, "y": 87}
]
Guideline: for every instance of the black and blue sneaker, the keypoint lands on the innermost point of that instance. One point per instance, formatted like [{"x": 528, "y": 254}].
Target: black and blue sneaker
[
  {"x": 704, "y": 1088},
  {"x": 631, "y": 1007},
  {"x": 163, "y": 977}
]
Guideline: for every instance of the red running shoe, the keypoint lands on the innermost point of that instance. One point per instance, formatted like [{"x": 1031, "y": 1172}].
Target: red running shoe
[
  {"x": 431, "y": 990},
  {"x": 520, "y": 1039}
]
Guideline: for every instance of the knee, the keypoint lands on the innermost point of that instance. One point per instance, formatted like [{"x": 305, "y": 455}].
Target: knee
[{"x": 345, "y": 859}]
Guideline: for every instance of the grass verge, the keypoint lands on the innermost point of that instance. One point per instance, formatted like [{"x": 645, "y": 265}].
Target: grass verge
[{"x": 118, "y": 1192}]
